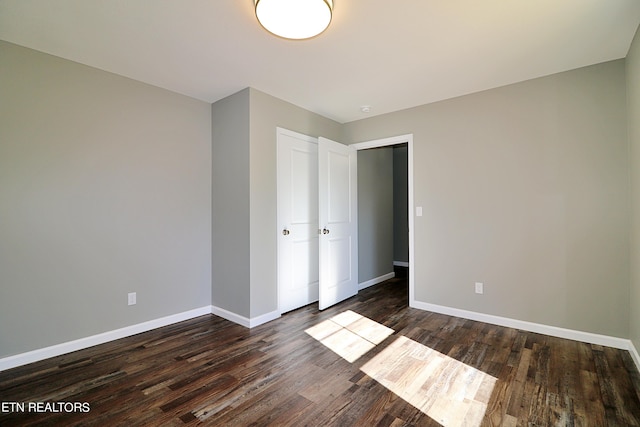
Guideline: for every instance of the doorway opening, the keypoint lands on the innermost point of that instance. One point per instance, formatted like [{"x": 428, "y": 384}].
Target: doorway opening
[{"x": 400, "y": 154}]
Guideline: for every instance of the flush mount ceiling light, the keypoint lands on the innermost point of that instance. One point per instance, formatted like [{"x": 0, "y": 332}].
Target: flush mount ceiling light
[{"x": 294, "y": 19}]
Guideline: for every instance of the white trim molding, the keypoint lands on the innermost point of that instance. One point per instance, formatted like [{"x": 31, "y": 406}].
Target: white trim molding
[
  {"x": 264, "y": 318},
  {"x": 82, "y": 343},
  {"x": 394, "y": 140},
  {"x": 634, "y": 354},
  {"x": 376, "y": 280},
  {"x": 79, "y": 344},
  {"x": 605, "y": 340},
  {"x": 231, "y": 316},
  {"x": 242, "y": 320},
  {"x": 383, "y": 142}
]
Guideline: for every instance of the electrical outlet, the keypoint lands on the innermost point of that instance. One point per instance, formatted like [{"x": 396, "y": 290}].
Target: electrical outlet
[
  {"x": 479, "y": 288},
  {"x": 131, "y": 298}
]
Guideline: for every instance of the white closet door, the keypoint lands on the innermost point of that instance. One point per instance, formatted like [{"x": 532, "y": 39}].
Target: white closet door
[
  {"x": 297, "y": 220},
  {"x": 337, "y": 171}
]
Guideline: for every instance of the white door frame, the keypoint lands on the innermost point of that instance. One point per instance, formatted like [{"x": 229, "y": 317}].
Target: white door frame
[{"x": 385, "y": 142}]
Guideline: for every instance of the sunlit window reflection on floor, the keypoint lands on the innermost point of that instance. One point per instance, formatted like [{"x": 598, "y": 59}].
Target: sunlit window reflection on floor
[
  {"x": 349, "y": 334},
  {"x": 447, "y": 390}
]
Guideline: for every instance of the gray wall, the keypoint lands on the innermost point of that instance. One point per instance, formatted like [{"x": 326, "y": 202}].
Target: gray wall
[
  {"x": 375, "y": 213},
  {"x": 104, "y": 190},
  {"x": 230, "y": 209},
  {"x": 524, "y": 188},
  {"x": 266, "y": 114},
  {"x": 400, "y": 204},
  {"x": 106, "y": 186},
  {"x": 633, "y": 115}
]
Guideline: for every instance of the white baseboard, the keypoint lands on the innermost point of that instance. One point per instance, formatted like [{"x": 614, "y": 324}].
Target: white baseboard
[
  {"x": 401, "y": 263},
  {"x": 79, "y": 344},
  {"x": 634, "y": 354},
  {"x": 376, "y": 280},
  {"x": 242, "y": 320},
  {"x": 231, "y": 316},
  {"x": 259, "y": 320},
  {"x": 554, "y": 331},
  {"x": 82, "y": 343}
]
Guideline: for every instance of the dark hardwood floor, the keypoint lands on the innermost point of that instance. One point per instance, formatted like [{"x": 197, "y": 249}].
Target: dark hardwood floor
[{"x": 369, "y": 361}]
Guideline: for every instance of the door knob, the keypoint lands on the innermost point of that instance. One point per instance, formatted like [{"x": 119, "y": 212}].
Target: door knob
[
  {"x": 285, "y": 232},
  {"x": 325, "y": 231}
]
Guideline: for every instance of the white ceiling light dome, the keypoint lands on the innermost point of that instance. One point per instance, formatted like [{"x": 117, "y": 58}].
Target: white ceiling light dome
[{"x": 294, "y": 19}]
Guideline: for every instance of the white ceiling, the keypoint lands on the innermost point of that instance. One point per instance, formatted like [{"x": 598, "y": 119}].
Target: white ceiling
[{"x": 391, "y": 55}]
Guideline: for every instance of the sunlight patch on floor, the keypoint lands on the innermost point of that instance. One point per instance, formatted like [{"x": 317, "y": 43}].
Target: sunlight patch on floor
[
  {"x": 445, "y": 389},
  {"x": 349, "y": 334}
]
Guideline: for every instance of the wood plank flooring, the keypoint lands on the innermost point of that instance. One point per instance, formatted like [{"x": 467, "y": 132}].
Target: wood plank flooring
[{"x": 369, "y": 361}]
